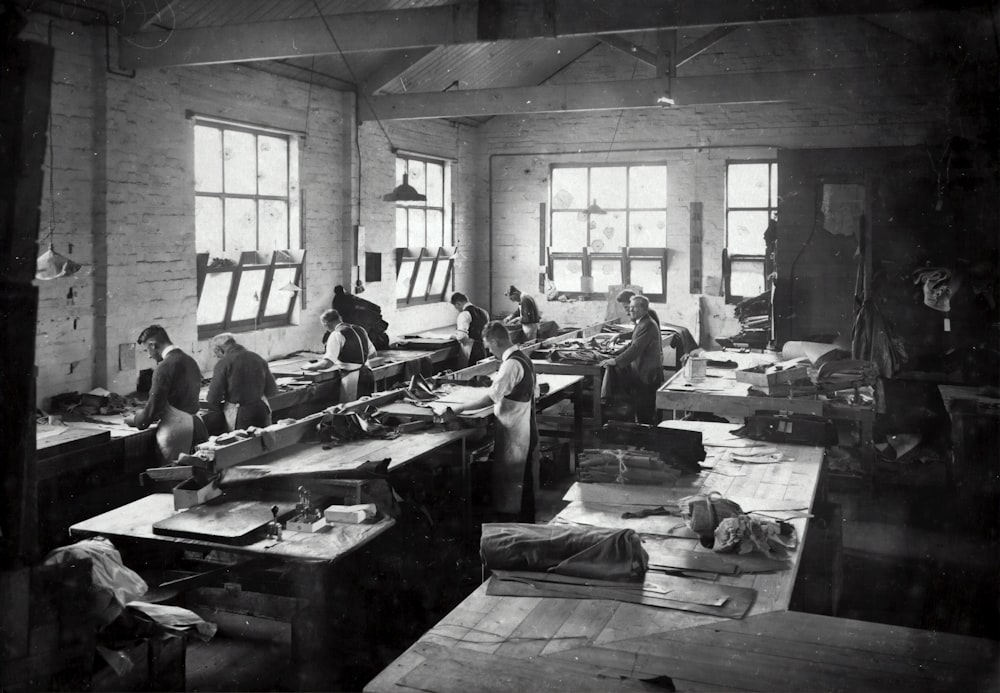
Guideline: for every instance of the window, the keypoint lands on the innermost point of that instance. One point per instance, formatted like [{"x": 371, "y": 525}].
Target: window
[
  {"x": 425, "y": 251},
  {"x": 608, "y": 226},
  {"x": 751, "y": 202},
  {"x": 247, "y": 232}
]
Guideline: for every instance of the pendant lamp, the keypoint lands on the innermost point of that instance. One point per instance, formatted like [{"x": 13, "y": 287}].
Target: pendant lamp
[
  {"x": 404, "y": 192},
  {"x": 290, "y": 288},
  {"x": 595, "y": 208},
  {"x": 51, "y": 264}
]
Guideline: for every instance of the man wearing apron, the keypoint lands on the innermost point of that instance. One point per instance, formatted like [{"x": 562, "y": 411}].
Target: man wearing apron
[
  {"x": 241, "y": 384},
  {"x": 515, "y": 450},
  {"x": 347, "y": 346},
  {"x": 526, "y": 315},
  {"x": 469, "y": 330},
  {"x": 173, "y": 397}
]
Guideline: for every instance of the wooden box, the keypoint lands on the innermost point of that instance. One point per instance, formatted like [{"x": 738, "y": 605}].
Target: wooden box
[
  {"x": 192, "y": 492},
  {"x": 768, "y": 375}
]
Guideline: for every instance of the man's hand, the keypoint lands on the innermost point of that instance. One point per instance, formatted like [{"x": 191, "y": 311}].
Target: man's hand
[
  {"x": 440, "y": 408},
  {"x": 130, "y": 420},
  {"x": 607, "y": 363}
]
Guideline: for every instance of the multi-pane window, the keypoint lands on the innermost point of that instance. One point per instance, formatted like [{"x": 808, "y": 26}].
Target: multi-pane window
[
  {"x": 608, "y": 227},
  {"x": 751, "y": 202},
  {"x": 247, "y": 232},
  {"x": 425, "y": 251}
]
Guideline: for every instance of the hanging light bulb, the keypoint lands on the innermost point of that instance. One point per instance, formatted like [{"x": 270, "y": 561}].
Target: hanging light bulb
[{"x": 53, "y": 265}]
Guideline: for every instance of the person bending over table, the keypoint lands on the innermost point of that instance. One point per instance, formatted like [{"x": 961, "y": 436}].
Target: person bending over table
[
  {"x": 173, "y": 397},
  {"x": 349, "y": 347},
  {"x": 514, "y": 474},
  {"x": 469, "y": 329},
  {"x": 640, "y": 365},
  {"x": 241, "y": 384},
  {"x": 526, "y": 314}
]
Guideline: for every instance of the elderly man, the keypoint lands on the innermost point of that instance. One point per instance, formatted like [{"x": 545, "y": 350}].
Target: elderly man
[
  {"x": 173, "y": 396},
  {"x": 241, "y": 384},
  {"x": 526, "y": 314},
  {"x": 469, "y": 329},
  {"x": 515, "y": 451},
  {"x": 642, "y": 361},
  {"x": 348, "y": 347}
]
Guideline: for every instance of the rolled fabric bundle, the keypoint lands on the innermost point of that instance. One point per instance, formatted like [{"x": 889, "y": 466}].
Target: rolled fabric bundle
[{"x": 586, "y": 552}]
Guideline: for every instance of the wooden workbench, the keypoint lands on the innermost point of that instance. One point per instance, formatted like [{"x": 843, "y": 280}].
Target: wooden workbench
[{"x": 501, "y": 643}]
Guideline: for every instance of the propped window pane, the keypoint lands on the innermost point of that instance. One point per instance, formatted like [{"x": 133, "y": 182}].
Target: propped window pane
[
  {"x": 248, "y": 295},
  {"x": 241, "y": 224},
  {"x": 567, "y": 273},
  {"x": 208, "y": 231},
  {"x": 605, "y": 272},
  {"x": 207, "y": 159},
  {"x": 278, "y": 301},
  {"x": 569, "y": 188},
  {"x": 441, "y": 275},
  {"x": 272, "y": 166},
  {"x": 214, "y": 297},
  {"x": 403, "y": 279},
  {"x": 240, "y": 156},
  {"x": 422, "y": 284},
  {"x": 647, "y": 274},
  {"x": 746, "y": 278},
  {"x": 607, "y": 186}
]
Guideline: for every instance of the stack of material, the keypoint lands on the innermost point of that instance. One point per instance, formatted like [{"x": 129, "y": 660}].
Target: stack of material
[
  {"x": 680, "y": 449},
  {"x": 625, "y": 467},
  {"x": 754, "y": 315}
]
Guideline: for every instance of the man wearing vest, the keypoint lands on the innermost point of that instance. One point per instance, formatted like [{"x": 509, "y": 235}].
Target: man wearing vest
[
  {"x": 469, "y": 329},
  {"x": 642, "y": 361},
  {"x": 526, "y": 314},
  {"x": 349, "y": 348},
  {"x": 515, "y": 451}
]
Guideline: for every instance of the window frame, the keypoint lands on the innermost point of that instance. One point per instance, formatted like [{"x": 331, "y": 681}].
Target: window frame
[
  {"x": 587, "y": 255},
  {"x": 440, "y": 258},
  {"x": 728, "y": 259},
  {"x": 255, "y": 260}
]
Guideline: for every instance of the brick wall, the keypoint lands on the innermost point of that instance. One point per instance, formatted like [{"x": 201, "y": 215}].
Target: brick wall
[{"x": 695, "y": 142}]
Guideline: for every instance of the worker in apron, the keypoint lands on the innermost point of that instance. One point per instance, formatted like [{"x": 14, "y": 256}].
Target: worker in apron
[
  {"x": 349, "y": 348},
  {"x": 526, "y": 314},
  {"x": 241, "y": 384},
  {"x": 469, "y": 330},
  {"x": 514, "y": 474},
  {"x": 173, "y": 397}
]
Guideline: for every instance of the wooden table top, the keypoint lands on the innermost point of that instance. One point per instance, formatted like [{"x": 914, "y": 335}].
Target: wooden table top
[{"x": 499, "y": 643}]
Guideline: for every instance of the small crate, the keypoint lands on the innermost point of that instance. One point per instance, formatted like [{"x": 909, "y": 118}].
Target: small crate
[
  {"x": 192, "y": 492},
  {"x": 769, "y": 375},
  {"x": 298, "y": 524}
]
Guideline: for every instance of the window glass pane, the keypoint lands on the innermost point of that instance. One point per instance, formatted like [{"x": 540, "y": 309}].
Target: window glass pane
[
  {"x": 647, "y": 186},
  {"x": 401, "y": 237},
  {"x": 747, "y": 185},
  {"x": 418, "y": 222},
  {"x": 208, "y": 225},
  {"x": 567, "y": 273},
  {"x": 569, "y": 231},
  {"x": 272, "y": 165},
  {"x": 207, "y": 159},
  {"x": 449, "y": 232},
  {"x": 607, "y": 186},
  {"x": 605, "y": 272},
  {"x": 273, "y": 225},
  {"x": 774, "y": 185},
  {"x": 746, "y": 232},
  {"x": 294, "y": 211},
  {"x": 214, "y": 296},
  {"x": 647, "y": 230},
  {"x": 746, "y": 278},
  {"x": 435, "y": 185},
  {"x": 278, "y": 302},
  {"x": 240, "y": 154},
  {"x": 403, "y": 279},
  {"x": 418, "y": 178},
  {"x": 241, "y": 224},
  {"x": 441, "y": 275},
  {"x": 609, "y": 233},
  {"x": 248, "y": 295},
  {"x": 569, "y": 188},
  {"x": 647, "y": 274},
  {"x": 435, "y": 228}
]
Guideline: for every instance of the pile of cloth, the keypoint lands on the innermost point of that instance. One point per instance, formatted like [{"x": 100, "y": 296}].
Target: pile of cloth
[
  {"x": 621, "y": 466},
  {"x": 723, "y": 526}
]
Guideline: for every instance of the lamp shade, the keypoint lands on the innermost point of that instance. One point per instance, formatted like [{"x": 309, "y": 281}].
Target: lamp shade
[
  {"x": 53, "y": 265},
  {"x": 595, "y": 208},
  {"x": 290, "y": 288},
  {"x": 404, "y": 192}
]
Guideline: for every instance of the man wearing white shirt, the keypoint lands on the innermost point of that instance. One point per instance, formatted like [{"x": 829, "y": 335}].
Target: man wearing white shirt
[
  {"x": 348, "y": 347},
  {"x": 469, "y": 329}
]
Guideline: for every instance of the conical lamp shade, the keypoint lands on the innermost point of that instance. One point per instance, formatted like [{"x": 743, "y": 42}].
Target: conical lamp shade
[
  {"x": 290, "y": 288},
  {"x": 595, "y": 208},
  {"x": 405, "y": 192},
  {"x": 52, "y": 265}
]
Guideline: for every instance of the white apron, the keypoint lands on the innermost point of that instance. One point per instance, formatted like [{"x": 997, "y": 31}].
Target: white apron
[
  {"x": 511, "y": 450},
  {"x": 231, "y": 410},
  {"x": 530, "y": 331},
  {"x": 174, "y": 433},
  {"x": 464, "y": 352},
  {"x": 349, "y": 385}
]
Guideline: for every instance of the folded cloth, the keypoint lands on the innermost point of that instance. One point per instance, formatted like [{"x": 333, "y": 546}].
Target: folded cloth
[{"x": 588, "y": 552}]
